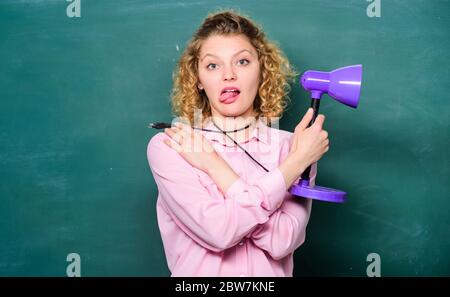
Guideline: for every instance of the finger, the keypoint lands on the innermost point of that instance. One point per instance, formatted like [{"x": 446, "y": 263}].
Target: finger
[
  {"x": 189, "y": 134},
  {"x": 172, "y": 144},
  {"x": 182, "y": 132},
  {"x": 169, "y": 132},
  {"x": 175, "y": 135},
  {"x": 186, "y": 131},
  {"x": 319, "y": 121},
  {"x": 305, "y": 120},
  {"x": 184, "y": 127}
]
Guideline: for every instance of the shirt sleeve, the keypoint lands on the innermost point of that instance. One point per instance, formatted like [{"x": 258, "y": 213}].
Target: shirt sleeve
[
  {"x": 285, "y": 230},
  {"x": 215, "y": 222}
]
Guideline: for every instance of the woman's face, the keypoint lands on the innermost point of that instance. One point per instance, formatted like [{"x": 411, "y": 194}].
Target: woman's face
[{"x": 229, "y": 73}]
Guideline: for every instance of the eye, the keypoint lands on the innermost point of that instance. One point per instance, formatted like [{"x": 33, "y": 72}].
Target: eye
[
  {"x": 243, "y": 62},
  {"x": 211, "y": 66}
]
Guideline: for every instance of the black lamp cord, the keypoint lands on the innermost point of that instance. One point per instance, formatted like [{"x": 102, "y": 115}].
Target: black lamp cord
[
  {"x": 239, "y": 145},
  {"x": 160, "y": 125}
]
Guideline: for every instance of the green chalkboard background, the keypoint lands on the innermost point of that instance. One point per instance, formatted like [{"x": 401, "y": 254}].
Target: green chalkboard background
[{"x": 77, "y": 95}]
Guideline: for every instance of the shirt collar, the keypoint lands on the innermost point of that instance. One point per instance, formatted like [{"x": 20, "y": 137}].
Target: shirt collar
[{"x": 260, "y": 133}]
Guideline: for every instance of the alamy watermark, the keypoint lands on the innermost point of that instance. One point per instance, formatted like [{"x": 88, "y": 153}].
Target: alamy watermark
[
  {"x": 229, "y": 124},
  {"x": 374, "y": 8},
  {"x": 374, "y": 268},
  {"x": 74, "y": 268},
  {"x": 74, "y": 8}
]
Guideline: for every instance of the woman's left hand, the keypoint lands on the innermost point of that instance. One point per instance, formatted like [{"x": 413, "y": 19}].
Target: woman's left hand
[{"x": 191, "y": 145}]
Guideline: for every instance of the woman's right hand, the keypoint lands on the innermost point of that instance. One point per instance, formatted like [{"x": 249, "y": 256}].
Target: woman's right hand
[{"x": 309, "y": 144}]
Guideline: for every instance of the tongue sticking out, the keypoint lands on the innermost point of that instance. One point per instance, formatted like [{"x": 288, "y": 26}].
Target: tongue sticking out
[{"x": 228, "y": 95}]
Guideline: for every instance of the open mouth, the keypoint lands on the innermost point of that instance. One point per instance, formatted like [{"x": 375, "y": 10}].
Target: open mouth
[{"x": 229, "y": 94}]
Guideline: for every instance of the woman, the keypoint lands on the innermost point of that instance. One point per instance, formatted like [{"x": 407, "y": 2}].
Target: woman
[{"x": 223, "y": 211}]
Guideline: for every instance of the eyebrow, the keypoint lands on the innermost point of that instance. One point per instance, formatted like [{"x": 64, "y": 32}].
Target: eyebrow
[{"x": 244, "y": 50}]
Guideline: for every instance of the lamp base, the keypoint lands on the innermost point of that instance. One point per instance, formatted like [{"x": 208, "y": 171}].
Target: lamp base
[{"x": 304, "y": 190}]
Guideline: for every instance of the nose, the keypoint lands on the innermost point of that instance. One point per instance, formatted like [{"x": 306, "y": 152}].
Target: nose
[{"x": 229, "y": 73}]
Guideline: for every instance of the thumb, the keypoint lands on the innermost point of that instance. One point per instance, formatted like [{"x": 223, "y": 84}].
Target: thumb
[{"x": 305, "y": 120}]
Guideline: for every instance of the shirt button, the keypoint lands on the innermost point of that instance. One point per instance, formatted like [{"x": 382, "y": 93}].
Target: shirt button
[{"x": 241, "y": 243}]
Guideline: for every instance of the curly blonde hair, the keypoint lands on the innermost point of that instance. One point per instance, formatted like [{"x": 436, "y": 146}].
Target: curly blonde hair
[{"x": 275, "y": 70}]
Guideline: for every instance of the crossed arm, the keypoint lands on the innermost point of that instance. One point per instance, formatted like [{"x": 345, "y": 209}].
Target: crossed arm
[{"x": 275, "y": 220}]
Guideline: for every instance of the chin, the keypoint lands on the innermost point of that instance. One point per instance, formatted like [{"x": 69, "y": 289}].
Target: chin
[
  {"x": 236, "y": 111},
  {"x": 232, "y": 113}
]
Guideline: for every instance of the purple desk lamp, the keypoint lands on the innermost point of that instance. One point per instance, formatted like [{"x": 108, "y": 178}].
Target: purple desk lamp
[{"x": 343, "y": 85}]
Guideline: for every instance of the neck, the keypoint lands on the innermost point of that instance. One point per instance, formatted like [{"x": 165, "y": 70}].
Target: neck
[{"x": 235, "y": 123}]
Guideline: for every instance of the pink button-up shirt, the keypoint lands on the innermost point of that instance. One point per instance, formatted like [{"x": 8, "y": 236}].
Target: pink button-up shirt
[{"x": 251, "y": 230}]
